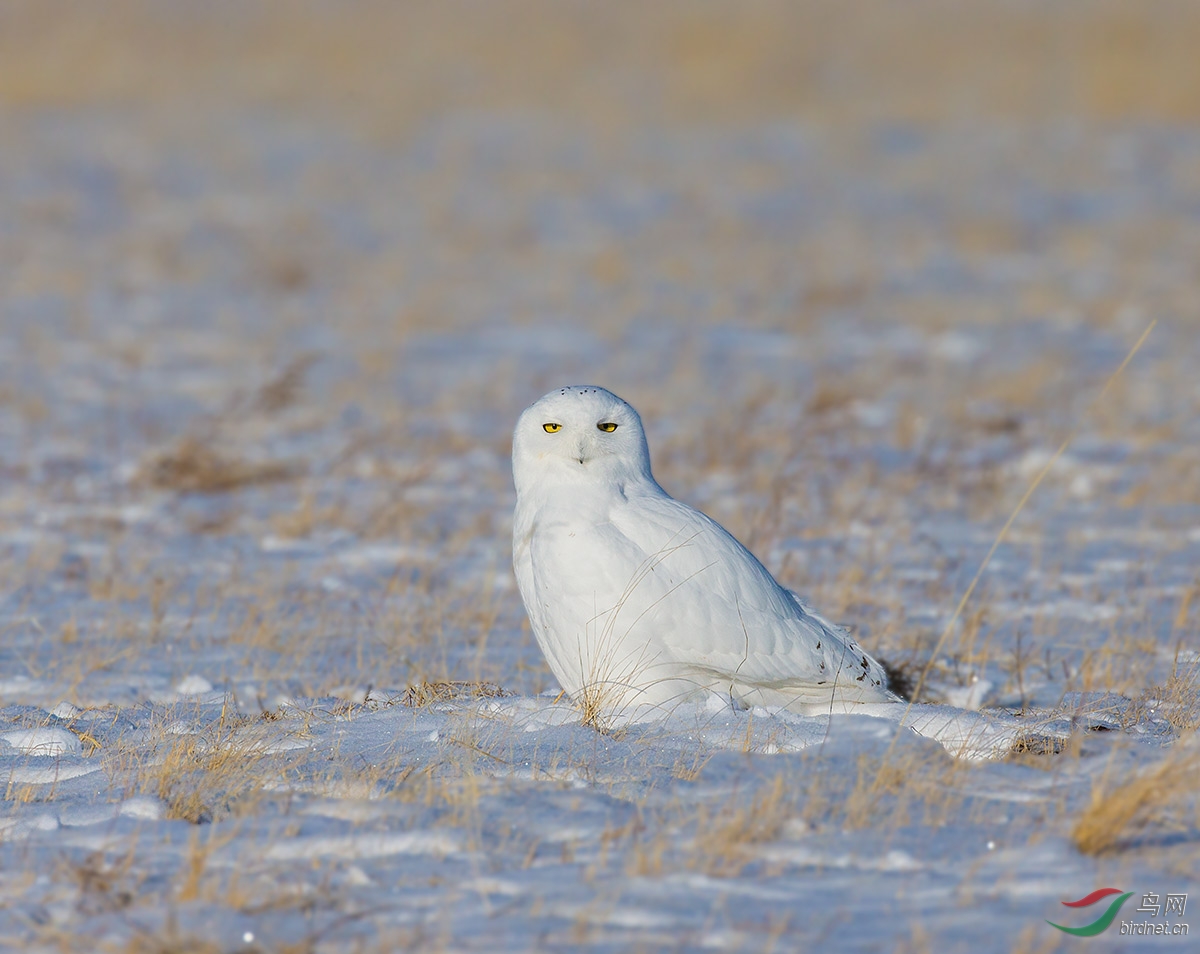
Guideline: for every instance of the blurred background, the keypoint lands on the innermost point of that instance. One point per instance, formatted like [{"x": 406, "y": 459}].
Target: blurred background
[
  {"x": 277, "y": 277},
  {"x": 387, "y": 66}
]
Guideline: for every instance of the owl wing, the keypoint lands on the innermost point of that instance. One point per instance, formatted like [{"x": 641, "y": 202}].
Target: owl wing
[
  {"x": 719, "y": 612},
  {"x": 525, "y": 525},
  {"x": 523, "y": 528}
]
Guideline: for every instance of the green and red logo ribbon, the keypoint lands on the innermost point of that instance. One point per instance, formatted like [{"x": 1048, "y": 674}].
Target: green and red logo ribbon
[{"x": 1101, "y": 923}]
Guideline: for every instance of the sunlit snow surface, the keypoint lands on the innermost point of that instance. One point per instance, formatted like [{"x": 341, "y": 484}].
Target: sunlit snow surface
[{"x": 204, "y": 726}]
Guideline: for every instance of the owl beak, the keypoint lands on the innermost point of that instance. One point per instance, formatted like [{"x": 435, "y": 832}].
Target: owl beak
[{"x": 580, "y": 455}]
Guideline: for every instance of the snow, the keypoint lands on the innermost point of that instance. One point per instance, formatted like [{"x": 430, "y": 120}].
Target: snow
[{"x": 46, "y": 742}]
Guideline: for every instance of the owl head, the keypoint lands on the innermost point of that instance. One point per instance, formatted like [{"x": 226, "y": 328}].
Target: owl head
[{"x": 579, "y": 435}]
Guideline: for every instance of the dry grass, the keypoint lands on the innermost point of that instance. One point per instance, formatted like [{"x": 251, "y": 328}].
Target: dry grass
[
  {"x": 394, "y": 63},
  {"x": 427, "y": 693},
  {"x": 726, "y": 839},
  {"x": 894, "y": 790},
  {"x": 104, "y": 885},
  {"x": 1157, "y": 800},
  {"x": 599, "y": 705},
  {"x": 286, "y": 388},
  {"x": 1177, "y": 701},
  {"x": 883, "y": 794},
  {"x": 1154, "y": 800},
  {"x": 195, "y": 465},
  {"x": 217, "y": 774},
  {"x": 172, "y": 942},
  {"x": 205, "y": 460}
]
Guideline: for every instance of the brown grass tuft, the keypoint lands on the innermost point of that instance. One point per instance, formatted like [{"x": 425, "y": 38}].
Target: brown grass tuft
[
  {"x": 1117, "y": 816},
  {"x": 171, "y": 942},
  {"x": 725, "y": 843},
  {"x": 204, "y": 778},
  {"x": 285, "y": 388},
  {"x": 104, "y": 886},
  {"x": 195, "y": 465},
  {"x": 902, "y": 787},
  {"x": 594, "y": 707},
  {"x": 426, "y": 693}
]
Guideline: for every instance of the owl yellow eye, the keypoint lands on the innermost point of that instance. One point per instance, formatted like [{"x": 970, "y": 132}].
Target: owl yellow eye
[
  {"x": 551, "y": 428},
  {"x": 608, "y": 427}
]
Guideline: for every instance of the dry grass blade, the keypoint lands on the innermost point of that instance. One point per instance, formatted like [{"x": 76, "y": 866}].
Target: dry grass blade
[
  {"x": 1117, "y": 816},
  {"x": 1179, "y": 698},
  {"x": 285, "y": 388},
  {"x": 104, "y": 885},
  {"x": 725, "y": 842},
  {"x": 203, "y": 780},
  {"x": 172, "y": 944},
  {"x": 426, "y": 693},
  {"x": 1029, "y": 491},
  {"x": 195, "y": 465}
]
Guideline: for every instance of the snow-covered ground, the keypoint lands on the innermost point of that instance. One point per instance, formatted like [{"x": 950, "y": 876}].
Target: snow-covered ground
[{"x": 265, "y": 679}]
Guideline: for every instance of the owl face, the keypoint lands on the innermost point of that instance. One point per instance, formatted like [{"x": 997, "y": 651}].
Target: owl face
[{"x": 578, "y": 433}]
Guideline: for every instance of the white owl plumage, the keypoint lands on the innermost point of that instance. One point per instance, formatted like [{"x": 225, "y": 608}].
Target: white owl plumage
[{"x": 639, "y": 601}]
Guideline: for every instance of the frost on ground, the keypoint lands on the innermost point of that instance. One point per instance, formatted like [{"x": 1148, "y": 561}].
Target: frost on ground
[{"x": 265, "y": 679}]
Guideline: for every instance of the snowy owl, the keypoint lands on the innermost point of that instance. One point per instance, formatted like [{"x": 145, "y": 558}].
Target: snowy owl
[{"x": 639, "y": 601}]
